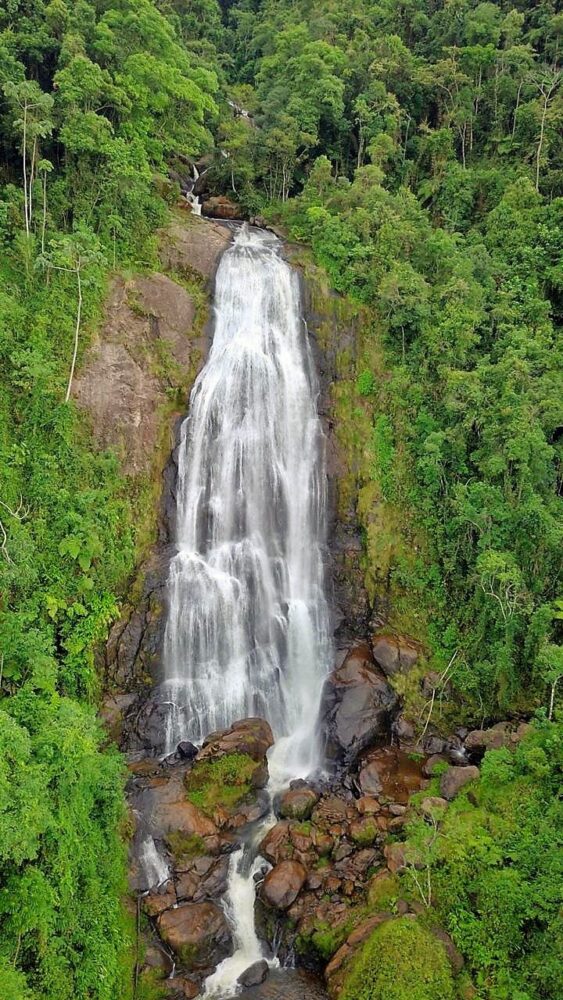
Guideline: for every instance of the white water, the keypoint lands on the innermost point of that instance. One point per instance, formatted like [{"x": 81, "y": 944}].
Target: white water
[
  {"x": 155, "y": 868},
  {"x": 248, "y": 627}
]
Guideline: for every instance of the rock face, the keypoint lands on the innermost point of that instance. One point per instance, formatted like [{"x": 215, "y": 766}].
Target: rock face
[
  {"x": 198, "y": 933},
  {"x": 194, "y": 246},
  {"x": 358, "y": 706},
  {"x": 249, "y": 736},
  {"x": 283, "y": 884},
  {"x": 453, "y": 780},
  {"x": 395, "y": 654},
  {"x": 117, "y": 385}
]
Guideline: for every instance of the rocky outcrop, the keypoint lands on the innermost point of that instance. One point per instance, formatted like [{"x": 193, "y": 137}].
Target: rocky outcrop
[
  {"x": 358, "y": 706},
  {"x": 395, "y": 654},
  {"x": 194, "y": 246},
  {"x": 145, "y": 346}
]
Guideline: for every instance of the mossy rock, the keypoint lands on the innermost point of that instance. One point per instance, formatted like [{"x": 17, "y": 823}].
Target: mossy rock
[
  {"x": 225, "y": 781},
  {"x": 400, "y": 961},
  {"x": 383, "y": 891}
]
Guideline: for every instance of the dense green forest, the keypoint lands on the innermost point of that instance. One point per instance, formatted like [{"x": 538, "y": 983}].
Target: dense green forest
[{"x": 415, "y": 146}]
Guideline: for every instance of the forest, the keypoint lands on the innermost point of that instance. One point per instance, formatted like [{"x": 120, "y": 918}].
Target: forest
[{"x": 415, "y": 147}]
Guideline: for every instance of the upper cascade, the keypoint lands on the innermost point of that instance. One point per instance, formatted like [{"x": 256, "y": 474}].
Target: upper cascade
[{"x": 248, "y": 631}]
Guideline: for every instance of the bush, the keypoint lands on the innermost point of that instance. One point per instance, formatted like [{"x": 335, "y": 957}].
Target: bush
[{"x": 400, "y": 961}]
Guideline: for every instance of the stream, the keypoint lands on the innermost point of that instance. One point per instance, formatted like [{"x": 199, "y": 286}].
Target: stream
[{"x": 248, "y": 631}]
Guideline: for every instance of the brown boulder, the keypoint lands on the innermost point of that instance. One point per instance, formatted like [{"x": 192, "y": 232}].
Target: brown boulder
[
  {"x": 431, "y": 764},
  {"x": 395, "y": 654},
  {"x": 249, "y": 736},
  {"x": 433, "y": 806},
  {"x": 275, "y": 842},
  {"x": 358, "y": 705},
  {"x": 455, "y": 778},
  {"x": 395, "y": 857},
  {"x": 283, "y": 884},
  {"x": 221, "y": 207},
  {"x": 503, "y": 734},
  {"x": 198, "y": 933},
  {"x": 389, "y": 772},
  {"x": 168, "y": 810}
]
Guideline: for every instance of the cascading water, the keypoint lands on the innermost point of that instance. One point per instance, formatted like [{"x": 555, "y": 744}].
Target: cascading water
[{"x": 248, "y": 630}]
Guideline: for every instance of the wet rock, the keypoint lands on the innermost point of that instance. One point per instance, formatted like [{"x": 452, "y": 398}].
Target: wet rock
[
  {"x": 434, "y": 744},
  {"x": 187, "y": 750},
  {"x": 358, "y": 705},
  {"x": 329, "y": 811},
  {"x": 391, "y": 773},
  {"x": 249, "y": 736},
  {"x": 198, "y": 933},
  {"x": 221, "y": 207},
  {"x": 255, "y": 975},
  {"x": 455, "y": 778},
  {"x": 283, "y": 884},
  {"x": 156, "y": 902},
  {"x": 298, "y": 803},
  {"x": 403, "y": 730},
  {"x": 503, "y": 734},
  {"x": 395, "y": 654},
  {"x": 182, "y": 988}
]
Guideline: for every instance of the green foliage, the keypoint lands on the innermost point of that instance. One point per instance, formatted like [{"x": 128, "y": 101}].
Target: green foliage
[
  {"x": 222, "y": 782},
  {"x": 495, "y": 869},
  {"x": 400, "y": 961}
]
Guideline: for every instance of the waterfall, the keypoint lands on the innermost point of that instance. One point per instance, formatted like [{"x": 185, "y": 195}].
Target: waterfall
[{"x": 248, "y": 631}]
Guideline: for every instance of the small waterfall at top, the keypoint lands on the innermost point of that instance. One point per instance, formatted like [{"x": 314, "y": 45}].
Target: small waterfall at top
[{"x": 248, "y": 630}]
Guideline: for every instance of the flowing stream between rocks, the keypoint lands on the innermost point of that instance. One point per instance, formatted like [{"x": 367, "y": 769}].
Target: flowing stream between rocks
[{"x": 248, "y": 630}]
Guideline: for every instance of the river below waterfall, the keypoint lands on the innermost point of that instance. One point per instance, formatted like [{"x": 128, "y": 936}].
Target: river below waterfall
[{"x": 248, "y": 631}]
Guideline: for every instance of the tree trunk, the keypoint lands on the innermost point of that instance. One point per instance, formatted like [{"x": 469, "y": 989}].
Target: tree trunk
[
  {"x": 24, "y": 166},
  {"x": 44, "y": 223},
  {"x": 76, "y": 334}
]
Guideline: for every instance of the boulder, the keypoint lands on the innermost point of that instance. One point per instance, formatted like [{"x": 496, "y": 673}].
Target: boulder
[
  {"x": 433, "y": 805},
  {"x": 249, "y": 736},
  {"x": 395, "y": 654},
  {"x": 275, "y": 841},
  {"x": 167, "y": 809},
  {"x": 455, "y": 778},
  {"x": 198, "y": 933},
  {"x": 254, "y": 975},
  {"x": 221, "y": 207},
  {"x": 431, "y": 764},
  {"x": 283, "y": 884},
  {"x": 455, "y": 957},
  {"x": 395, "y": 857},
  {"x": 298, "y": 803},
  {"x": 503, "y": 734},
  {"x": 358, "y": 706}
]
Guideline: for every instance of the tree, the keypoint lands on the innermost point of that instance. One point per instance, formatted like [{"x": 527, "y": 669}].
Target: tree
[{"x": 33, "y": 108}]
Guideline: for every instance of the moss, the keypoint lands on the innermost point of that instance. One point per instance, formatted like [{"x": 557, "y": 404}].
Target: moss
[
  {"x": 150, "y": 986},
  {"x": 383, "y": 892},
  {"x": 223, "y": 782},
  {"x": 186, "y": 845},
  {"x": 366, "y": 834},
  {"x": 401, "y": 960},
  {"x": 304, "y": 828}
]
